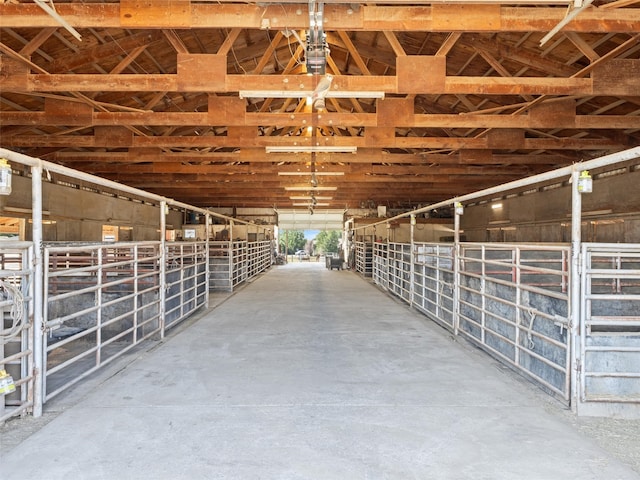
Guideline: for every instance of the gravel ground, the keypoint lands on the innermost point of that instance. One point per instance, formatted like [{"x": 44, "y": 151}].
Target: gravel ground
[
  {"x": 16, "y": 430},
  {"x": 620, "y": 437}
]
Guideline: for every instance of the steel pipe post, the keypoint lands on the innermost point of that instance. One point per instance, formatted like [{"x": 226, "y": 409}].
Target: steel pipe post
[
  {"x": 412, "y": 260},
  {"x": 456, "y": 272},
  {"x": 574, "y": 285},
  {"x": 207, "y": 222},
  {"x": 38, "y": 289},
  {"x": 162, "y": 281}
]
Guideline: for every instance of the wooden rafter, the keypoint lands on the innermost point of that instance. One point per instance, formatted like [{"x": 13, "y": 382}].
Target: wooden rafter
[{"x": 150, "y": 97}]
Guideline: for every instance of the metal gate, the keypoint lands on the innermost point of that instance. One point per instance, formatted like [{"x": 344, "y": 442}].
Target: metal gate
[
  {"x": 101, "y": 301},
  {"x": 434, "y": 281},
  {"x": 185, "y": 280},
  {"x": 610, "y": 329},
  {"x": 514, "y": 303},
  {"x": 16, "y": 328}
]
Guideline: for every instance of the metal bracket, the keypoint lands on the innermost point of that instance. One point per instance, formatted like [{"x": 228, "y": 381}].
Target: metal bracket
[{"x": 317, "y": 49}]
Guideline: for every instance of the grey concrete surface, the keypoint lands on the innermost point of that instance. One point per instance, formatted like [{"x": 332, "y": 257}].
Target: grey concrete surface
[{"x": 309, "y": 374}]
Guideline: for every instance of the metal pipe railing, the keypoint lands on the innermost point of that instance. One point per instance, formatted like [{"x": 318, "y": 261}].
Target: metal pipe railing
[
  {"x": 87, "y": 177},
  {"x": 607, "y": 160},
  {"x": 38, "y": 319}
]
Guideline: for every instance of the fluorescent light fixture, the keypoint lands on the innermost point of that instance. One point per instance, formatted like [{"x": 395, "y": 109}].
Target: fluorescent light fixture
[
  {"x": 309, "y": 197},
  {"x": 306, "y": 189},
  {"x": 496, "y": 206},
  {"x": 309, "y": 94},
  {"x": 310, "y": 149},
  {"x": 307, "y": 204},
  {"x": 594, "y": 212},
  {"x": 598, "y": 212},
  {"x": 23, "y": 210},
  {"x": 336, "y": 174},
  {"x": 45, "y": 222}
]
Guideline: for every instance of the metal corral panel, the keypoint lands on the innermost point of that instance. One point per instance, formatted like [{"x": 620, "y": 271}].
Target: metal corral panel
[{"x": 610, "y": 330}]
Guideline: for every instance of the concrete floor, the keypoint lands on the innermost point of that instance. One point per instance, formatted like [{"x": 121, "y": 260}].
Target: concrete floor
[{"x": 307, "y": 374}]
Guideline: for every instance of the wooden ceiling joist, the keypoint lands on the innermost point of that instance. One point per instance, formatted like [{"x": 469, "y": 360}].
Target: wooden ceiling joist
[
  {"x": 366, "y": 18},
  {"x": 151, "y": 95}
]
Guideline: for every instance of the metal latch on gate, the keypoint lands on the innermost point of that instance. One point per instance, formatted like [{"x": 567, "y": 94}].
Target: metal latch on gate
[{"x": 561, "y": 322}]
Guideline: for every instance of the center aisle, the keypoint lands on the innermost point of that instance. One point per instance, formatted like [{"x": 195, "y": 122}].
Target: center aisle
[{"x": 308, "y": 373}]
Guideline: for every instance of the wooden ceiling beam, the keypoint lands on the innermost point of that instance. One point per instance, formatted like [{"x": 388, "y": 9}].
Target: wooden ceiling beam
[
  {"x": 526, "y": 58},
  {"x": 100, "y": 53},
  {"x": 188, "y": 80},
  {"x": 453, "y": 143},
  {"x": 229, "y": 40},
  {"x": 325, "y": 120},
  {"x": 583, "y": 46},
  {"x": 36, "y": 42},
  {"x": 448, "y": 44},
  {"x": 230, "y": 182},
  {"x": 257, "y": 157},
  {"x": 175, "y": 41},
  {"x": 396, "y": 46},
  {"x": 258, "y": 192},
  {"x": 366, "y": 18},
  {"x": 270, "y": 172},
  {"x": 268, "y": 53},
  {"x": 451, "y": 85}
]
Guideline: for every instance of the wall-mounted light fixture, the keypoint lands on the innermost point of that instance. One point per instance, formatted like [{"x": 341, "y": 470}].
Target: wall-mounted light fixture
[
  {"x": 585, "y": 182},
  {"x": 496, "y": 206},
  {"x": 5, "y": 177}
]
